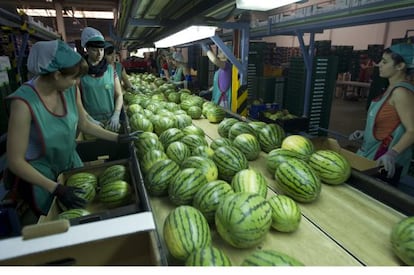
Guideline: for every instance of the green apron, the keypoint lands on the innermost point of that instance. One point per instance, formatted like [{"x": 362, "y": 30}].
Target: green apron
[
  {"x": 98, "y": 95},
  {"x": 373, "y": 148},
  {"x": 118, "y": 69},
  {"x": 178, "y": 75},
  {"x": 57, "y": 136},
  {"x": 221, "y": 98}
]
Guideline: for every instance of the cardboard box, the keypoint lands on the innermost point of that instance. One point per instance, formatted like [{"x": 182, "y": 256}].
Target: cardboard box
[
  {"x": 97, "y": 209},
  {"x": 357, "y": 162}
]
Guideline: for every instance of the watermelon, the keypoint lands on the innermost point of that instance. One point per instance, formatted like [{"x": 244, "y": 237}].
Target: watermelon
[
  {"x": 209, "y": 196},
  {"x": 134, "y": 108},
  {"x": 257, "y": 125},
  {"x": 115, "y": 194},
  {"x": 206, "y": 165},
  {"x": 296, "y": 179},
  {"x": 215, "y": 114},
  {"x": 87, "y": 191},
  {"x": 178, "y": 152},
  {"x": 221, "y": 141},
  {"x": 270, "y": 258},
  {"x": 286, "y": 214},
  {"x": 142, "y": 124},
  {"x": 194, "y": 112},
  {"x": 331, "y": 167},
  {"x": 162, "y": 124},
  {"x": 183, "y": 121},
  {"x": 184, "y": 185},
  {"x": 82, "y": 177},
  {"x": 277, "y": 156},
  {"x": 169, "y": 136},
  {"x": 146, "y": 143},
  {"x": 150, "y": 158},
  {"x": 185, "y": 230},
  {"x": 249, "y": 180},
  {"x": 238, "y": 128},
  {"x": 299, "y": 144},
  {"x": 208, "y": 256},
  {"x": 193, "y": 141},
  {"x": 193, "y": 129},
  {"x": 159, "y": 177},
  {"x": 243, "y": 219},
  {"x": 113, "y": 173},
  {"x": 271, "y": 137},
  {"x": 402, "y": 240},
  {"x": 73, "y": 213},
  {"x": 229, "y": 160},
  {"x": 203, "y": 151},
  {"x": 224, "y": 126},
  {"x": 248, "y": 145}
]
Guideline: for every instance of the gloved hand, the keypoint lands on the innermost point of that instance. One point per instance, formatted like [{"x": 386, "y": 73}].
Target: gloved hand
[
  {"x": 94, "y": 121},
  {"x": 125, "y": 138},
  {"x": 357, "y": 135},
  {"x": 114, "y": 121},
  {"x": 388, "y": 161},
  {"x": 68, "y": 196},
  {"x": 205, "y": 92},
  {"x": 204, "y": 47}
]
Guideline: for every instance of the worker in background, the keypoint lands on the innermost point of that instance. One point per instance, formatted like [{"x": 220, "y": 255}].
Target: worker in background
[
  {"x": 45, "y": 113},
  {"x": 110, "y": 55},
  {"x": 221, "y": 89},
  {"x": 388, "y": 137},
  {"x": 100, "y": 89},
  {"x": 181, "y": 78},
  {"x": 366, "y": 68}
]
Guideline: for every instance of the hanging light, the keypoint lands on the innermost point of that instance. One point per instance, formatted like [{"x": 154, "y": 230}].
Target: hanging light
[
  {"x": 190, "y": 34},
  {"x": 263, "y": 5}
]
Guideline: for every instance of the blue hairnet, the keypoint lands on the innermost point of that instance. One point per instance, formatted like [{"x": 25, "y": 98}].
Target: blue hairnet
[{"x": 406, "y": 51}]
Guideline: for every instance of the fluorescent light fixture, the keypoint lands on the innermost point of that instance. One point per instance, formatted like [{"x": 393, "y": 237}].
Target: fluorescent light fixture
[
  {"x": 262, "y": 5},
  {"x": 77, "y": 14},
  {"x": 187, "y": 35},
  {"x": 140, "y": 52}
]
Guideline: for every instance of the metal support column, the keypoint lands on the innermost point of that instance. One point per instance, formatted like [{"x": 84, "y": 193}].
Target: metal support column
[{"x": 308, "y": 59}]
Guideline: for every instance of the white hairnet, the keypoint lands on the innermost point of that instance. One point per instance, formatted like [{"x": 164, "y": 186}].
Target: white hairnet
[
  {"x": 177, "y": 56},
  {"x": 50, "y": 56}
]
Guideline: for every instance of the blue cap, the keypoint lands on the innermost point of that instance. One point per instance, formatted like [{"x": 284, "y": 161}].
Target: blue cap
[
  {"x": 406, "y": 51},
  {"x": 93, "y": 37},
  {"x": 50, "y": 56}
]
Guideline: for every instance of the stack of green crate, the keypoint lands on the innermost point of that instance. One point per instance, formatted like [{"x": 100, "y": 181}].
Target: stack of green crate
[
  {"x": 322, "y": 90},
  {"x": 265, "y": 88},
  {"x": 344, "y": 54}
]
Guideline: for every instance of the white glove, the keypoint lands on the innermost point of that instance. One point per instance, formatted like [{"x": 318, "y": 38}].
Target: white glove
[
  {"x": 388, "y": 161},
  {"x": 114, "y": 121},
  {"x": 357, "y": 135},
  {"x": 94, "y": 121}
]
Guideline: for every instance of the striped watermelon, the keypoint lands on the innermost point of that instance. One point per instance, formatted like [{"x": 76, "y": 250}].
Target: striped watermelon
[
  {"x": 225, "y": 125},
  {"x": 150, "y": 158},
  {"x": 286, "y": 215},
  {"x": 270, "y": 258},
  {"x": 115, "y": 194},
  {"x": 73, "y": 213},
  {"x": 331, "y": 167},
  {"x": 194, "y": 112},
  {"x": 206, "y": 165},
  {"x": 238, "y": 128},
  {"x": 170, "y": 135},
  {"x": 215, "y": 114},
  {"x": 185, "y": 230},
  {"x": 193, "y": 129},
  {"x": 193, "y": 141},
  {"x": 178, "y": 152},
  {"x": 402, "y": 240},
  {"x": 186, "y": 104},
  {"x": 180, "y": 112},
  {"x": 142, "y": 124},
  {"x": 183, "y": 121},
  {"x": 271, "y": 137},
  {"x": 159, "y": 177},
  {"x": 162, "y": 124},
  {"x": 113, "y": 173},
  {"x": 249, "y": 145},
  {"x": 209, "y": 196},
  {"x": 229, "y": 160},
  {"x": 251, "y": 181},
  {"x": 146, "y": 143},
  {"x": 296, "y": 179},
  {"x": 277, "y": 156},
  {"x": 243, "y": 219},
  {"x": 82, "y": 177},
  {"x": 299, "y": 144},
  {"x": 134, "y": 108},
  {"x": 208, "y": 256},
  {"x": 185, "y": 185},
  {"x": 221, "y": 141},
  {"x": 257, "y": 125},
  {"x": 203, "y": 151},
  {"x": 88, "y": 191}
]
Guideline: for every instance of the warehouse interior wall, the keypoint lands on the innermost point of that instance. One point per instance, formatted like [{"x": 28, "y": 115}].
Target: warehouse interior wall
[{"x": 359, "y": 36}]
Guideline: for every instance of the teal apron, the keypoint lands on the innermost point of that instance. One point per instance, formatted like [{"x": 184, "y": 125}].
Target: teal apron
[
  {"x": 373, "y": 148},
  {"x": 221, "y": 98},
  {"x": 118, "y": 69},
  {"x": 57, "y": 136},
  {"x": 178, "y": 75},
  {"x": 98, "y": 95}
]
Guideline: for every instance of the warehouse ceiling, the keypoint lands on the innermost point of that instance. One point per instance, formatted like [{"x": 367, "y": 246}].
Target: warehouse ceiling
[{"x": 137, "y": 23}]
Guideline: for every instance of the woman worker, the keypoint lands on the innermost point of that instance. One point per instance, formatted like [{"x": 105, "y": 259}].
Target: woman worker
[
  {"x": 110, "y": 56},
  {"x": 221, "y": 88},
  {"x": 181, "y": 78},
  {"x": 388, "y": 137},
  {"x": 100, "y": 89},
  {"x": 45, "y": 114}
]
